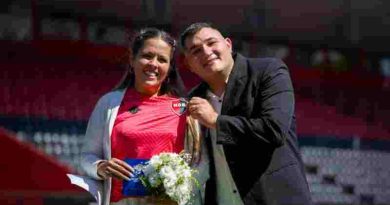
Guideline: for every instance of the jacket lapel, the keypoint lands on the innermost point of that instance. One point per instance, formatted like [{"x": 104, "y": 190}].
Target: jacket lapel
[{"x": 236, "y": 82}]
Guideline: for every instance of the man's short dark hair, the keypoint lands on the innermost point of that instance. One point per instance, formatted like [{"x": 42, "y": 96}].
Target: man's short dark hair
[{"x": 192, "y": 30}]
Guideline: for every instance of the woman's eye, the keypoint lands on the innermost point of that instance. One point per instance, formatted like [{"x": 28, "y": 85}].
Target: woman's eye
[{"x": 163, "y": 60}]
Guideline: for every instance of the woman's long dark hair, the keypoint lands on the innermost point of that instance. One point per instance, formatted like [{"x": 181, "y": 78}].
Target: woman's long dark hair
[{"x": 173, "y": 84}]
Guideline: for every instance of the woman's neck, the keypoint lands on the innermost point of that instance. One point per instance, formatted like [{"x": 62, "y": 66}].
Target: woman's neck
[{"x": 152, "y": 92}]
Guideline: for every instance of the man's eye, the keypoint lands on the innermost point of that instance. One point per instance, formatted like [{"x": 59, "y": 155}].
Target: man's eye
[
  {"x": 195, "y": 51},
  {"x": 211, "y": 43}
]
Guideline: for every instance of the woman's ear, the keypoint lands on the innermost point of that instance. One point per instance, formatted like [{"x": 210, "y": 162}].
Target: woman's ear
[
  {"x": 130, "y": 68},
  {"x": 130, "y": 60}
]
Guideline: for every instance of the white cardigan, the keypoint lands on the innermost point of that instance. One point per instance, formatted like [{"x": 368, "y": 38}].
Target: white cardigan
[{"x": 97, "y": 147}]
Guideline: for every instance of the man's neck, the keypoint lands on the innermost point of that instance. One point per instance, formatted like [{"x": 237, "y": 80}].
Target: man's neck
[
  {"x": 219, "y": 81},
  {"x": 218, "y": 88}
]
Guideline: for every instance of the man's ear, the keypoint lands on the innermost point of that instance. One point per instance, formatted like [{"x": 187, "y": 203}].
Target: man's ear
[
  {"x": 186, "y": 64},
  {"x": 184, "y": 61},
  {"x": 229, "y": 43}
]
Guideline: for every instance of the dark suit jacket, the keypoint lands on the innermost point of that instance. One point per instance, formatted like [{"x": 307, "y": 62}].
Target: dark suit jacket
[{"x": 257, "y": 130}]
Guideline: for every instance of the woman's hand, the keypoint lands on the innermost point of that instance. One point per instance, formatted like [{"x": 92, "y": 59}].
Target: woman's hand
[{"x": 114, "y": 168}]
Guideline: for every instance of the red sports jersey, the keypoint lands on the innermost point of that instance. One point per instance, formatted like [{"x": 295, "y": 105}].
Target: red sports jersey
[{"x": 146, "y": 126}]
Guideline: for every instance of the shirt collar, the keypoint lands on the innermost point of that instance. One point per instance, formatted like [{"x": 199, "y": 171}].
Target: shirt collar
[{"x": 211, "y": 96}]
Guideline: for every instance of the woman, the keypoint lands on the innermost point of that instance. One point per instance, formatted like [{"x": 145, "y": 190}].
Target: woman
[{"x": 139, "y": 119}]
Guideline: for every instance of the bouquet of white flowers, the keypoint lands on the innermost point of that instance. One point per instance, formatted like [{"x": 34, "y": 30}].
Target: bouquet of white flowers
[{"x": 168, "y": 175}]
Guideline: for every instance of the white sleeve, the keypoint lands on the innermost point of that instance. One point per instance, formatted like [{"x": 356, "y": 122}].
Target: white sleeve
[{"x": 92, "y": 149}]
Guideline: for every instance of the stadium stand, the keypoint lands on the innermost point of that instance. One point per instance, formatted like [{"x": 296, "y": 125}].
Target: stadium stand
[{"x": 46, "y": 100}]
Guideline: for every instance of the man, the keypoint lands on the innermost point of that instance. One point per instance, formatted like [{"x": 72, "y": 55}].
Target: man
[{"x": 247, "y": 108}]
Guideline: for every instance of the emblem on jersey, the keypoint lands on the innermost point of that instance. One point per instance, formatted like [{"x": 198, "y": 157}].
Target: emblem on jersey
[{"x": 179, "y": 106}]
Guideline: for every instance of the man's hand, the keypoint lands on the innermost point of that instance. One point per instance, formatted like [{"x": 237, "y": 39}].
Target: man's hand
[{"x": 203, "y": 111}]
